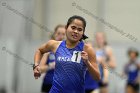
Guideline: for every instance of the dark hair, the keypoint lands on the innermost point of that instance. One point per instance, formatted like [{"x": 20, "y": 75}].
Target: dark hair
[
  {"x": 55, "y": 30},
  {"x": 71, "y": 19},
  {"x": 130, "y": 50}
]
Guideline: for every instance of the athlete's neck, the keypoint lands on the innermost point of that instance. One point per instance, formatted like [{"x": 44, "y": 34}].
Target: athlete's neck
[{"x": 71, "y": 44}]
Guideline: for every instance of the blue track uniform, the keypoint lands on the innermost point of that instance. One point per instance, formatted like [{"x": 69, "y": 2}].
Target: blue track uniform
[
  {"x": 69, "y": 74},
  {"x": 49, "y": 76},
  {"x": 132, "y": 71},
  {"x": 48, "y": 79}
]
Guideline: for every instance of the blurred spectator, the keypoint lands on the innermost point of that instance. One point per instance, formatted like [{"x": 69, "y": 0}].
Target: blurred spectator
[
  {"x": 132, "y": 71},
  {"x": 47, "y": 63},
  {"x": 104, "y": 57}
]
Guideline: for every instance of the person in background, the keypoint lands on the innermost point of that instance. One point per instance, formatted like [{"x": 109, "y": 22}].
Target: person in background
[
  {"x": 131, "y": 70},
  {"x": 47, "y": 63},
  {"x": 105, "y": 60}
]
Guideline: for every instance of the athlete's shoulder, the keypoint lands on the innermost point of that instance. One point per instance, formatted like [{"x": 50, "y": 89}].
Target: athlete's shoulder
[
  {"x": 108, "y": 48},
  {"x": 53, "y": 42},
  {"x": 88, "y": 47},
  {"x": 56, "y": 45}
]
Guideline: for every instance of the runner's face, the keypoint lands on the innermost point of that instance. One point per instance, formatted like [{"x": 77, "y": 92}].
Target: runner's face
[
  {"x": 60, "y": 34},
  {"x": 132, "y": 55},
  {"x": 75, "y": 30}
]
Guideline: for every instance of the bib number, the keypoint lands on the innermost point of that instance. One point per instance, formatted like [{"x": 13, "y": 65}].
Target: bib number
[{"x": 76, "y": 57}]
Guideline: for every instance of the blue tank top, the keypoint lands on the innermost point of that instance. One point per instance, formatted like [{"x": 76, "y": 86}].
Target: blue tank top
[
  {"x": 101, "y": 53},
  {"x": 90, "y": 83},
  {"x": 48, "y": 79},
  {"x": 69, "y": 74},
  {"x": 132, "y": 71}
]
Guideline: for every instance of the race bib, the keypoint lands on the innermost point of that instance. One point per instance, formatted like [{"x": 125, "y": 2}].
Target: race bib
[{"x": 76, "y": 57}]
